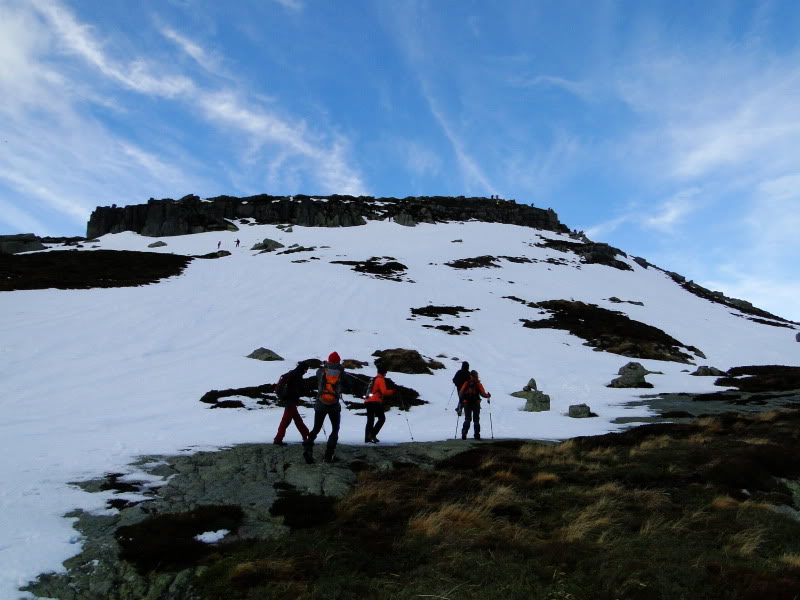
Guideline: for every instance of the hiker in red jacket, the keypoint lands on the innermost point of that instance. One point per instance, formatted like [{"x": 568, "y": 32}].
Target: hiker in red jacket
[
  {"x": 374, "y": 403},
  {"x": 291, "y": 396},
  {"x": 470, "y": 397}
]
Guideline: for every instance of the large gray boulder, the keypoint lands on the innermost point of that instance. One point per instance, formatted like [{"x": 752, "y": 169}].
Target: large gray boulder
[
  {"x": 21, "y": 242},
  {"x": 264, "y": 354},
  {"x": 709, "y": 372},
  {"x": 267, "y": 245},
  {"x": 158, "y": 244},
  {"x": 405, "y": 220},
  {"x": 631, "y": 376}
]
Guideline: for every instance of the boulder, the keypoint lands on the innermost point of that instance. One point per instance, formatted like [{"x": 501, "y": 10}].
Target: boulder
[
  {"x": 158, "y": 244},
  {"x": 535, "y": 401},
  {"x": 267, "y": 245},
  {"x": 288, "y": 230},
  {"x": 580, "y": 411},
  {"x": 631, "y": 376},
  {"x": 217, "y": 254},
  {"x": 709, "y": 372},
  {"x": 531, "y": 385},
  {"x": 264, "y": 354},
  {"x": 23, "y": 242},
  {"x": 405, "y": 220}
]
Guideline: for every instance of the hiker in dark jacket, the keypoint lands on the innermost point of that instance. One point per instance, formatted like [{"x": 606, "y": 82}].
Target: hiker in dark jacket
[
  {"x": 374, "y": 404},
  {"x": 330, "y": 377},
  {"x": 470, "y": 396},
  {"x": 460, "y": 379},
  {"x": 294, "y": 389}
]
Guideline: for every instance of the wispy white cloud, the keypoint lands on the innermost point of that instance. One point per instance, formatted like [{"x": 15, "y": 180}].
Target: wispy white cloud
[
  {"x": 673, "y": 211},
  {"x": 199, "y": 54},
  {"x": 581, "y": 89},
  {"x": 293, "y": 5},
  {"x": 418, "y": 158}
]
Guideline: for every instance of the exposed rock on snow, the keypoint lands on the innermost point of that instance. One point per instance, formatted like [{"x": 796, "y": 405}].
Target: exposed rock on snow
[
  {"x": 708, "y": 372},
  {"x": 610, "y": 331},
  {"x": 158, "y": 244},
  {"x": 401, "y": 360},
  {"x": 217, "y": 254},
  {"x": 21, "y": 242},
  {"x": 264, "y": 354},
  {"x": 382, "y": 267},
  {"x": 267, "y": 245},
  {"x": 631, "y": 375},
  {"x": 535, "y": 401},
  {"x": 580, "y": 411},
  {"x": 590, "y": 252},
  {"x": 73, "y": 269}
]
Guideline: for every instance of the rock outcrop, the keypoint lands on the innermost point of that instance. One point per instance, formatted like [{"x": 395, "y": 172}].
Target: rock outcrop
[
  {"x": 535, "y": 401},
  {"x": 631, "y": 376},
  {"x": 22, "y": 242},
  {"x": 191, "y": 214},
  {"x": 264, "y": 354}
]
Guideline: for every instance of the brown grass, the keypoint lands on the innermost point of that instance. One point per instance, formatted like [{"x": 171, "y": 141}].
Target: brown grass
[
  {"x": 793, "y": 560},
  {"x": 272, "y": 568},
  {"x": 746, "y": 542},
  {"x": 767, "y": 417},
  {"x": 597, "y": 515},
  {"x": 756, "y": 441},
  {"x": 545, "y": 478},
  {"x": 724, "y": 503},
  {"x": 652, "y": 525},
  {"x": 506, "y": 475},
  {"x": 451, "y": 518}
]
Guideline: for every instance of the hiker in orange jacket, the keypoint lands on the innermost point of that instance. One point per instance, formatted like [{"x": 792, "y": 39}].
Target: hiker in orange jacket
[
  {"x": 374, "y": 403},
  {"x": 470, "y": 396}
]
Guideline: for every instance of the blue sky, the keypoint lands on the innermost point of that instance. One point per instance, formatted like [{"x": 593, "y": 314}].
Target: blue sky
[{"x": 669, "y": 129}]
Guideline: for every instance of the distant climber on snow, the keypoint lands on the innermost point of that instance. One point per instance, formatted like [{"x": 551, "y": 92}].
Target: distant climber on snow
[
  {"x": 470, "y": 396},
  {"x": 459, "y": 379},
  {"x": 218, "y": 245},
  {"x": 329, "y": 392},
  {"x": 289, "y": 389},
  {"x": 377, "y": 390},
  {"x": 237, "y": 243}
]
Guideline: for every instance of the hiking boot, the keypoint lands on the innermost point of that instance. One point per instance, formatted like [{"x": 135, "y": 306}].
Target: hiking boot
[
  {"x": 277, "y": 443},
  {"x": 463, "y": 435},
  {"x": 307, "y": 454},
  {"x": 329, "y": 457},
  {"x": 477, "y": 436}
]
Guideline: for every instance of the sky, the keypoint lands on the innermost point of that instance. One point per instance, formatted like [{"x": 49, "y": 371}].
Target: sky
[{"x": 668, "y": 129}]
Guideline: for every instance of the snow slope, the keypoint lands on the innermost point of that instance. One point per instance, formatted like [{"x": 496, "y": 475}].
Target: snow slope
[{"x": 91, "y": 379}]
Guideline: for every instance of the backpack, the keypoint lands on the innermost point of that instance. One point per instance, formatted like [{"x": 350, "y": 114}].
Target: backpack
[
  {"x": 329, "y": 385},
  {"x": 368, "y": 391},
  {"x": 470, "y": 393},
  {"x": 282, "y": 387}
]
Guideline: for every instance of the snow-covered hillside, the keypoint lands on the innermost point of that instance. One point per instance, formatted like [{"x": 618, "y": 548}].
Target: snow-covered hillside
[{"x": 92, "y": 379}]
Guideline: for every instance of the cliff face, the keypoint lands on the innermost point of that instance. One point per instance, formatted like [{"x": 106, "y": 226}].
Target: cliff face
[{"x": 190, "y": 214}]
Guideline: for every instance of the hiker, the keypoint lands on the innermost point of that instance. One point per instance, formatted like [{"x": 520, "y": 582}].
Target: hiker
[
  {"x": 459, "y": 379},
  {"x": 218, "y": 245},
  {"x": 289, "y": 389},
  {"x": 329, "y": 391},
  {"x": 376, "y": 392},
  {"x": 470, "y": 396},
  {"x": 237, "y": 243}
]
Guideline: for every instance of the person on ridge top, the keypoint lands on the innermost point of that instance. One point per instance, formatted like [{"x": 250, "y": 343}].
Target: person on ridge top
[
  {"x": 294, "y": 389},
  {"x": 329, "y": 392},
  {"x": 470, "y": 396},
  {"x": 460, "y": 379},
  {"x": 374, "y": 404}
]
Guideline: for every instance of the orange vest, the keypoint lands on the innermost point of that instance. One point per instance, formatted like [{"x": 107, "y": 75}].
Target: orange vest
[{"x": 379, "y": 389}]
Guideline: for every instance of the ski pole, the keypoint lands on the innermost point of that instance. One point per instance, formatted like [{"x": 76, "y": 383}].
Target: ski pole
[
  {"x": 449, "y": 399},
  {"x": 491, "y": 425},
  {"x": 406, "y": 416}
]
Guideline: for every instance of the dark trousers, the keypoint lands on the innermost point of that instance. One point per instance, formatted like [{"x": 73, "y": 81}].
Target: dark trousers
[
  {"x": 472, "y": 412},
  {"x": 290, "y": 414},
  {"x": 334, "y": 413},
  {"x": 374, "y": 411}
]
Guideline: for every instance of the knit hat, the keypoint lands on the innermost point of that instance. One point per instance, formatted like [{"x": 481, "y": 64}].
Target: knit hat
[{"x": 334, "y": 358}]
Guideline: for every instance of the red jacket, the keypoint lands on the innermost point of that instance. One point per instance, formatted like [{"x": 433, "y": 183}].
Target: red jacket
[
  {"x": 465, "y": 395},
  {"x": 379, "y": 389}
]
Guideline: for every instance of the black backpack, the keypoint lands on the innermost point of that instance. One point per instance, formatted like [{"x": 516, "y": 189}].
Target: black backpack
[
  {"x": 471, "y": 392},
  {"x": 282, "y": 387},
  {"x": 368, "y": 391}
]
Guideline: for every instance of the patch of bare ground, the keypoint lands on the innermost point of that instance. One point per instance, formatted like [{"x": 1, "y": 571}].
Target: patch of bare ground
[
  {"x": 609, "y": 331},
  {"x": 402, "y": 360},
  {"x": 762, "y": 378},
  {"x": 590, "y": 252},
  {"x": 382, "y": 267},
  {"x": 668, "y": 511},
  {"x": 438, "y": 311},
  {"x": 73, "y": 269}
]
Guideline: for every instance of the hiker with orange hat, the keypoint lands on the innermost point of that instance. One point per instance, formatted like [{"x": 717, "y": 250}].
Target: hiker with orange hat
[
  {"x": 470, "y": 396},
  {"x": 376, "y": 392},
  {"x": 329, "y": 391}
]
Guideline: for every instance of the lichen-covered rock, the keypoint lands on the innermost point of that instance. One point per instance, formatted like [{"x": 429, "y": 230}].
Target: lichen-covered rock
[
  {"x": 264, "y": 354},
  {"x": 580, "y": 411},
  {"x": 631, "y": 375}
]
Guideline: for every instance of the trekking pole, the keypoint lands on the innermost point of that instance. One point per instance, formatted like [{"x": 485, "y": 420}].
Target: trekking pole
[
  {"x": 449, "y": 399},
  {"x": 405, "y": 415},
  {"x": 491, "y": 425},
  {"x": 458, "y": 418}
]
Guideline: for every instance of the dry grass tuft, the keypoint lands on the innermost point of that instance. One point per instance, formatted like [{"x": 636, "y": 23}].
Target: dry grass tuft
[
  {"x": 597, "y": 515},
  {"x": 710, "y": 424},
  {"x": 793, "y": 560},
  {"x": 698, "y": 439},
  {"x": 653, "y": 525},
  {"x": 451, "y": 518},
  {"x": 724, "y": 503},
  {"x": 767, "y": 417},
  {"x": 545, "y": 478},
  {"x": 756, "y": 441},
  {"x": 506, "y": 475},
  {"x": 502, "y": 494},
  {"x": 656, "y": 443},
  {"x": 387, "y": 493},
  {"x": 488, "y": 464},
  {"x": 746, "y": 542},
  {"x": 265, "y": 568}
]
